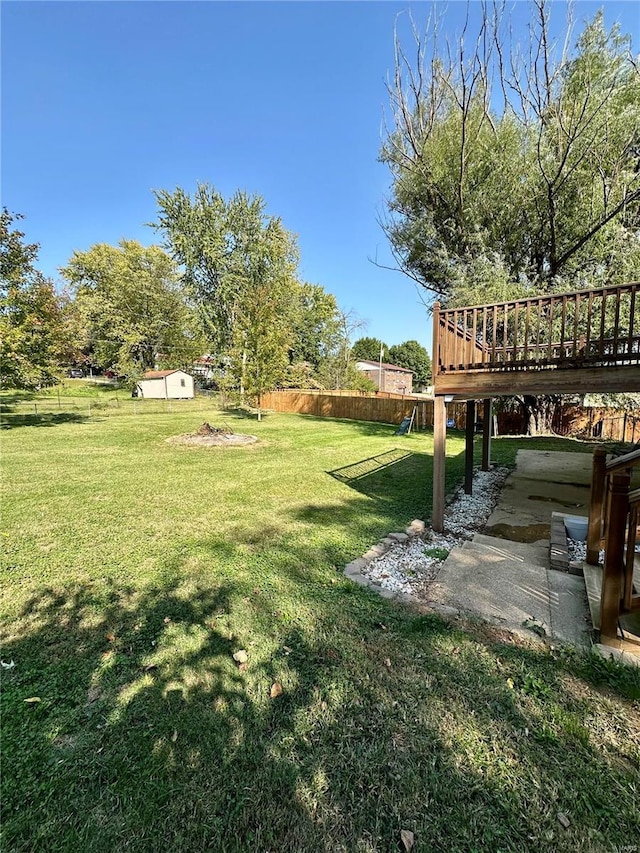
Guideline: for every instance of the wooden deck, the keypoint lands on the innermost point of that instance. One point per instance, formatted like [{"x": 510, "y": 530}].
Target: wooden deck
[
  {"x": 586, "y": 341},
  {"x": 582, "y": 342}
]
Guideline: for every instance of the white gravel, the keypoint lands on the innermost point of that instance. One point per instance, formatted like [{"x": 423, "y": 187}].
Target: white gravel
[
  {"x": 409, "y": 567},
  {"x": 578, "y": 550}
]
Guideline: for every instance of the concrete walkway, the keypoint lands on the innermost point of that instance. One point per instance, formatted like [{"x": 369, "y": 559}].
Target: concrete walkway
[{"x": 503, "y": 575}]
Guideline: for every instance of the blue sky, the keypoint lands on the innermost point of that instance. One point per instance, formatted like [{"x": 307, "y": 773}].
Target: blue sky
[{"x": 104, "y": 101}]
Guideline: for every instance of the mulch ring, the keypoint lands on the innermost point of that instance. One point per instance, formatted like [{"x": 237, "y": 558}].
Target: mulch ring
[{"x": 208, "y": 436}]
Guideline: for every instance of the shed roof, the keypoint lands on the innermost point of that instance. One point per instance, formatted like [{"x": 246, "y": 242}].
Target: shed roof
[{"x": 159, "y": 374}]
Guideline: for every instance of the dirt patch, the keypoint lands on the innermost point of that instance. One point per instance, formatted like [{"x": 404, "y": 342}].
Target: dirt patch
[
  {"x": 208, "y": 436},
  {"x": 524, "y": 533},
  {"x": 236, "y": 439}
]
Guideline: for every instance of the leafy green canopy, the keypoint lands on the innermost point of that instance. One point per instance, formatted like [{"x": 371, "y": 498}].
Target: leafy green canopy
[
  {"x": 35, "y": 330},
  {"x": 412, "y": 356},
  {"x": 540, "y": 194},
  {"x": 133, "y": 308},
  {"x": 368, "y": 349},
  {"x": 240, "y": 267}
]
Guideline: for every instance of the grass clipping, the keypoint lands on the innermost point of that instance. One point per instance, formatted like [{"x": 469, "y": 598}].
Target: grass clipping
[{"x": 208, "y": 436}]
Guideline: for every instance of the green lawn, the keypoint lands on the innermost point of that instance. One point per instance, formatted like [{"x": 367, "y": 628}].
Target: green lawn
[{"x": 134, "y": 569}]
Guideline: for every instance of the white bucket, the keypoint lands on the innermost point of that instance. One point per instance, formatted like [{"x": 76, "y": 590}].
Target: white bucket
[{"x": 576, "y": 527}]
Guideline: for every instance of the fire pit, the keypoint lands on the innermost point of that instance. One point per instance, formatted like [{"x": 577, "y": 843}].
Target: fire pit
[{"x": 211, "y": 436}]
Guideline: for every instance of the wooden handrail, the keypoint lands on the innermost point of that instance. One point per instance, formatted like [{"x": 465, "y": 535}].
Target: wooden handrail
[
  {"x": 586, "y": 328},
  {"x": 629, "y": 287},
  {"x": 629, "y": 460}
]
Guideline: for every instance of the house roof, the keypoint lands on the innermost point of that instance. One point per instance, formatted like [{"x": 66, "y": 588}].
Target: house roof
[
  {"x": 159, "y": 374},
  {"x": 371, "y": 365}
]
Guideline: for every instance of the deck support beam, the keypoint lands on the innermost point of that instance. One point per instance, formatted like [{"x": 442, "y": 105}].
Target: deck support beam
[
  {"x": 439, "y": 452},
  {"x": 613, "y": 571},
  {"x": 470, "y": 428},
  {"x": 596, "y": 505},
  {"x": 487, "y": 424}
]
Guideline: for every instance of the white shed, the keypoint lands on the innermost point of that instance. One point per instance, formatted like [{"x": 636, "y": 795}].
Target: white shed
[{"x": 165, "y": 385}]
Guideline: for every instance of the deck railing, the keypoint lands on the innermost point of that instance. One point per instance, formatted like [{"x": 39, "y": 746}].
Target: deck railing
[
  {"x": 614, "y": 518},
  {"x": 581, "y": 329}
]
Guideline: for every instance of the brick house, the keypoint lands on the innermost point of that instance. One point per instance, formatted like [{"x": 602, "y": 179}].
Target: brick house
[{"x": 388, "y": 377}]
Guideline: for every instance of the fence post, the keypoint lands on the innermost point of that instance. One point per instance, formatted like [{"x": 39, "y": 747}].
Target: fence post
[
  {"x": 613, "y": 572},
  {"x": 435, "y": 363},
  {"x": 596, "y": 505}
]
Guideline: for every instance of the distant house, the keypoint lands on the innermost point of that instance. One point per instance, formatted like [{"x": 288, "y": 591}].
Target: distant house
[
  {"x": 203, "y": 367},
  {"x": 165, "y": 385},
  {"x": 388, "y": 377}
]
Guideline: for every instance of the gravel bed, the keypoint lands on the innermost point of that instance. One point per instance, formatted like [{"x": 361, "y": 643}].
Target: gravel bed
[
  {"x": 409, "y": 567},
  {"x": 578, "y": 550}
]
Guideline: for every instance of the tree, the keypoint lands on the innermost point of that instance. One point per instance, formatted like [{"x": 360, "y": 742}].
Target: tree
[
  {"x": 539, "y": 195},
  {"x": 368, "y": 349},
  {"x": 338, "y": 370},
  {"x": 412, "y": 356},
  {"x": 133, "y": 307},
  {"x": 240, "y": 268},
  {"x": 262, "y": 329},
  {"x": 34, "y": 319},
  {"x": 316, "y": 325}
]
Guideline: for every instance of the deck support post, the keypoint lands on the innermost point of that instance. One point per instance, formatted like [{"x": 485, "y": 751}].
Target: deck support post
[
  {"x": 470, "y": 429},
  {"x": 613, "y": 572},
  {"x": 596, "y": 505},
  {"x": 439, "y": 450},
  {"x": 486, "y": 434}
]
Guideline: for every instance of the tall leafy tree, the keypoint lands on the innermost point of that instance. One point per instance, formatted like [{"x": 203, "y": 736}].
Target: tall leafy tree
[
  {"x": 338, "y": 370},
  {"x": 240, "y": 267},
  {"x": 35, "y": 330},
  {"x": 368, "y": 349},
  {"x": 133, "y": 308},
  {"x": 412, "y": 356},
  {"x": 538, "y": 194},
  {"x": 316, "y": 325}
]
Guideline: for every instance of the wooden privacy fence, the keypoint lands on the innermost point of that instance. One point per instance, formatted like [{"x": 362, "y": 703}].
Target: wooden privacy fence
[
  {"x": 569, "y": 420},
  {"x": 383, "y": 408},
  {"x": 597, "y": 423}
]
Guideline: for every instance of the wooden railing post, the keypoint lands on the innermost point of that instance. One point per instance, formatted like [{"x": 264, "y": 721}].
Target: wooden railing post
[
  {"x": 436, "y": 361},
  {"x": 596, "y": 505},
  {"x": 613, "y": 572}
]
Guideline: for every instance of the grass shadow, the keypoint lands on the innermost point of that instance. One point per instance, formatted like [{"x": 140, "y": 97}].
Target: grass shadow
[
  {"x": 147, "y": 728},
  {"x": 48, "y": 419}
]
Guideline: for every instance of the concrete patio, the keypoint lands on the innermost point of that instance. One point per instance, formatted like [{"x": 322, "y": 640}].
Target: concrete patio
[{"x": 504, "y": 575}]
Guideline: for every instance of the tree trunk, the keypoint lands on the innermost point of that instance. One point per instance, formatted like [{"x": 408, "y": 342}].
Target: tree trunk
[
  {"x": 538, "y": 413},
  {"x": 243, "y": 372}
]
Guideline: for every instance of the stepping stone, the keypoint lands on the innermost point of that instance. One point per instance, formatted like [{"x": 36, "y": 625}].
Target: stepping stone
[
  {"x": 537, "y": 555},
  {"x": 495, "y": 587},
  {"x": 398, "y": 537}
]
